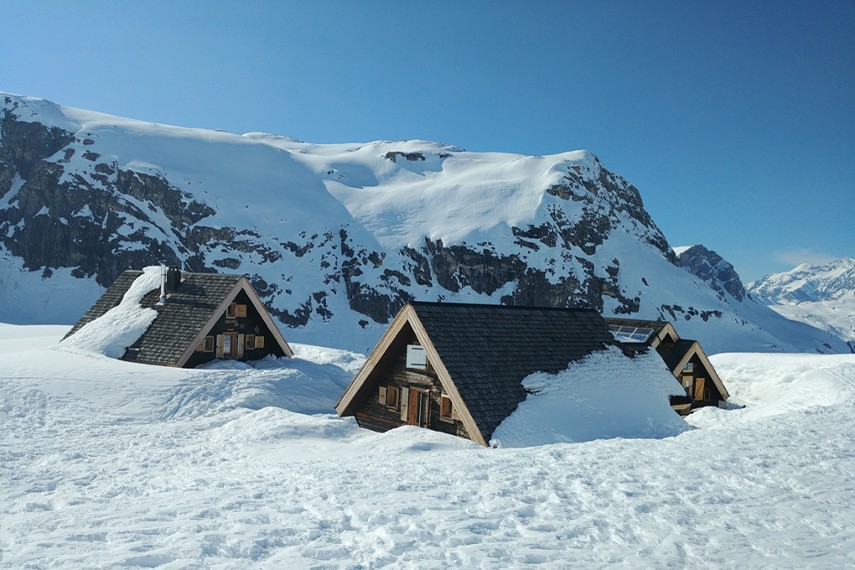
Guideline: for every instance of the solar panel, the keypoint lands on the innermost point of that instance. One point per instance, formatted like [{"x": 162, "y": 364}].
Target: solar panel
[{"x": 630, "y": 334}]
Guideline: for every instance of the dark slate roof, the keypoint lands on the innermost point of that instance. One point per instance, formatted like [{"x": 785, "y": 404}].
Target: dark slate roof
[
  {"x": 186, "y": 311},
  {"x": 672, "y": 354},
  {"x": 489, "y": 349}
]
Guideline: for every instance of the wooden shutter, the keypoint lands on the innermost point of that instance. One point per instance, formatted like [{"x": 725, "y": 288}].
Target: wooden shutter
[
  {"x": 699, "y": 388},
  {"x": 220, "y": 342},
  {"x": 382, "y": 398},
  {"x": 240, "y": 345},
  {"x": 241, "y": 311},
  {"x": 259, "y": 341},
  {"x": 405, "y": 403}
]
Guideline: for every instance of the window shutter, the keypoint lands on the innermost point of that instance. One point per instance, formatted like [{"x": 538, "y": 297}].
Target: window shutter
[
  {"x": 240, "y": 345},
  {"x": 220, "y": 343},
  {"x": 241, "y": 310},
  {"x": 382, "y": 398},
  {"x": 405, "y": 403},
  {"x": 259, "y": 341}
]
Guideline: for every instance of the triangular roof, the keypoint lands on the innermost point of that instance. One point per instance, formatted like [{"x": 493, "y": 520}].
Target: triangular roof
[
  {"x": 677, "y": 355},
  {"x": 188, "y": 314},
  {"x": 481, "y": 354}
]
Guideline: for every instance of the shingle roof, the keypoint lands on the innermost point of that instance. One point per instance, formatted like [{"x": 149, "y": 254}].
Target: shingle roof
[
  {"x": 672, "y": 354},
  {"x": 179, "y": 320},
  {"x": 488, "y": 350}
]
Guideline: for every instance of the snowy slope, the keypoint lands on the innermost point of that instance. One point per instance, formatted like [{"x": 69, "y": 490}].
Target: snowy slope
[
  {"x": 822, "y": 296},
  {"x": 109, "y": 464},
  {"x": 336, "y": 237},
  {"x": 833, "y": 281}
]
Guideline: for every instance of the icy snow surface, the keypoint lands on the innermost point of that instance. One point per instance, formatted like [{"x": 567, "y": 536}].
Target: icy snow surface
[
  {"x": 603, "y": 396},
  {"x": 107, "y": 464}
]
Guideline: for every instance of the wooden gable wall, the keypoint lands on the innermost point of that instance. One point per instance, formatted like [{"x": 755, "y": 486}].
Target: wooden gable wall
[
  {"x": 392, "y": 372},
  {"x": 241, "y": 327}
]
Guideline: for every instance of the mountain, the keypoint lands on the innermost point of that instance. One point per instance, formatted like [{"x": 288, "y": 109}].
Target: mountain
[
  {"x": 809, "y": 283},
  {"x": 709, "y": 266},
  {"x": 336, "y": 237},
  {"x": 822, "y": 296}
]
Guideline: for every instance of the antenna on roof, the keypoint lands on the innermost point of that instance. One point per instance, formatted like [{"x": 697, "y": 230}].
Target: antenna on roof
[{"x": 162, "y": 300}]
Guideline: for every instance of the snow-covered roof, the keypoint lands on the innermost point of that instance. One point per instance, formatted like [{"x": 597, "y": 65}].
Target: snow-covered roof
[
  {"x": 128, "y": 315},
  {"x": 483, "y": 353}
]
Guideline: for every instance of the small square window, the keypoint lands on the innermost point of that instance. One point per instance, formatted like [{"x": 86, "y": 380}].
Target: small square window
[
  {"x": 689, "y": 367},
  {"x": 235, "y": 310},
  {"x": 393, "y": 394},
  {"x": 250, "y": 341},
  {"x": 206, "y": 345},
  {"x": 416, "y": 357}
]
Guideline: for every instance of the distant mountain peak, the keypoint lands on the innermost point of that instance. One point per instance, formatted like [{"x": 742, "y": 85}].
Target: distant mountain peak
[
  {"x": 712, "y": 268},
  {"x": 809, "y": 283}
]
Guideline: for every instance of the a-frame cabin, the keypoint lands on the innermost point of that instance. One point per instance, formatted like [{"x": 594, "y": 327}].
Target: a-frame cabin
[
  {"x": 458, "y": 368},
  {"x": 205, "y": 316},
  {"x": 685, "y": 358}
]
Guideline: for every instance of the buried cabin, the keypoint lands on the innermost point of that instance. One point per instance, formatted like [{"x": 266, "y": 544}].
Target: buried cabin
[
  {"x": 200, "y": 317},
  {"x": 685, "y": 358},
  {"x": 459, "y": 368}
]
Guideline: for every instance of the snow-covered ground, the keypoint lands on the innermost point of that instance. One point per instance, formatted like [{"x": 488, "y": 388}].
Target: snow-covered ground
[{"x": 111, "y": 464}]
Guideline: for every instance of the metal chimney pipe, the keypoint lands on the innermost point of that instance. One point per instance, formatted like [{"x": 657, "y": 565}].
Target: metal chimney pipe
[{"x": 162, "y": 300}]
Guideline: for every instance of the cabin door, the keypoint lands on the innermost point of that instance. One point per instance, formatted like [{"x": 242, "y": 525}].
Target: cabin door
[
  {"x": 699, "y": 388},
  {"x": 419, "y": 406}
]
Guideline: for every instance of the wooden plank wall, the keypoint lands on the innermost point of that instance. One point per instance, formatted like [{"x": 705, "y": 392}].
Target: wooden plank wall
[{"x": 375, "y": 416}]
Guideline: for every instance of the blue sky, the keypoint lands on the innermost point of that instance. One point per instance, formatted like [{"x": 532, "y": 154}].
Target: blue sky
[{"x": 736, "y": 120}]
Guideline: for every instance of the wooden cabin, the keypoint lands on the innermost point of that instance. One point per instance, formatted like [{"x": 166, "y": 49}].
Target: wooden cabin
[
  {"x": 204, "y": 316},
  {"x": 458, "y": 368},
  {"x": 684, "y": 357}
]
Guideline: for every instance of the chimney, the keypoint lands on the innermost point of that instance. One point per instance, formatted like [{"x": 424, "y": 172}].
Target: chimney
[
  {"x": 173, "y": 279},
  {"x": 162, "y": 285}
]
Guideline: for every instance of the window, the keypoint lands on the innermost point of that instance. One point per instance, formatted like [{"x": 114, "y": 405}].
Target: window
[
  {"x": 689, "y": 367},
  {"x": 445, "y": 408},
  {"x": 630, "y": 334},
  {"x": 235, "y": 310},
  {"x": 250, "y": 341},
  {"x": 390, "y": 396},
  {"x": 416, "y": 357},
  {"x": 206, "y": 345}
]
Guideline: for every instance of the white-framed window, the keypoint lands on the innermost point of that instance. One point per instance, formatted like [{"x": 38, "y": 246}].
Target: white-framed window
[{"x": 416, "y": 357}]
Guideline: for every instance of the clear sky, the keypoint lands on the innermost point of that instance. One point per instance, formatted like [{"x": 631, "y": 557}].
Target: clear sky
[{"x": 735, "y": 119}]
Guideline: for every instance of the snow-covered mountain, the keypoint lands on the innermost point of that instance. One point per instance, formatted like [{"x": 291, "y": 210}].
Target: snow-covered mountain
[
  {"x": 336, "y": 237},
  {"x": 822, "y": 296},
  {"x": 830, "y": 282}
]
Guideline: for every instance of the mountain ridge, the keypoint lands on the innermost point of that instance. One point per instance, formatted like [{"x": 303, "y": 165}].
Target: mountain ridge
[{"x": 336, "y": 237}]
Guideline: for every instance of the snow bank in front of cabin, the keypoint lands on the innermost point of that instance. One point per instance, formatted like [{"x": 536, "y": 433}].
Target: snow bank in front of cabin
[
  {"x": 120, "y": 327},
  {"x": 603, "y": 396}
]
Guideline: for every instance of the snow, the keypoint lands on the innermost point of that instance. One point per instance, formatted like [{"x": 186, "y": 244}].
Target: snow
[
  {"x": 120, "y": 327},
  {"x": 605, "y": 395},
  {"x": 107, "y": 464}
]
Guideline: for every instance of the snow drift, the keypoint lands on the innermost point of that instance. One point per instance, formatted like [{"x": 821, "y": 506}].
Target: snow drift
[{"x": 605, "y": 395}]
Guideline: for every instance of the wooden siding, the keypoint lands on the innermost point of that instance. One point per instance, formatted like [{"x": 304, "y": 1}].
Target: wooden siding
[
  {"x": 375, "y": 416},
  {"x": 251, "y": 324}
]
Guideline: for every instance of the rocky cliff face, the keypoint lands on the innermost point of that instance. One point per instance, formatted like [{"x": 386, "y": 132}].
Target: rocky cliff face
[
  {"x": 335, "y": 238},
  {"x": 710, "y": 267}
]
